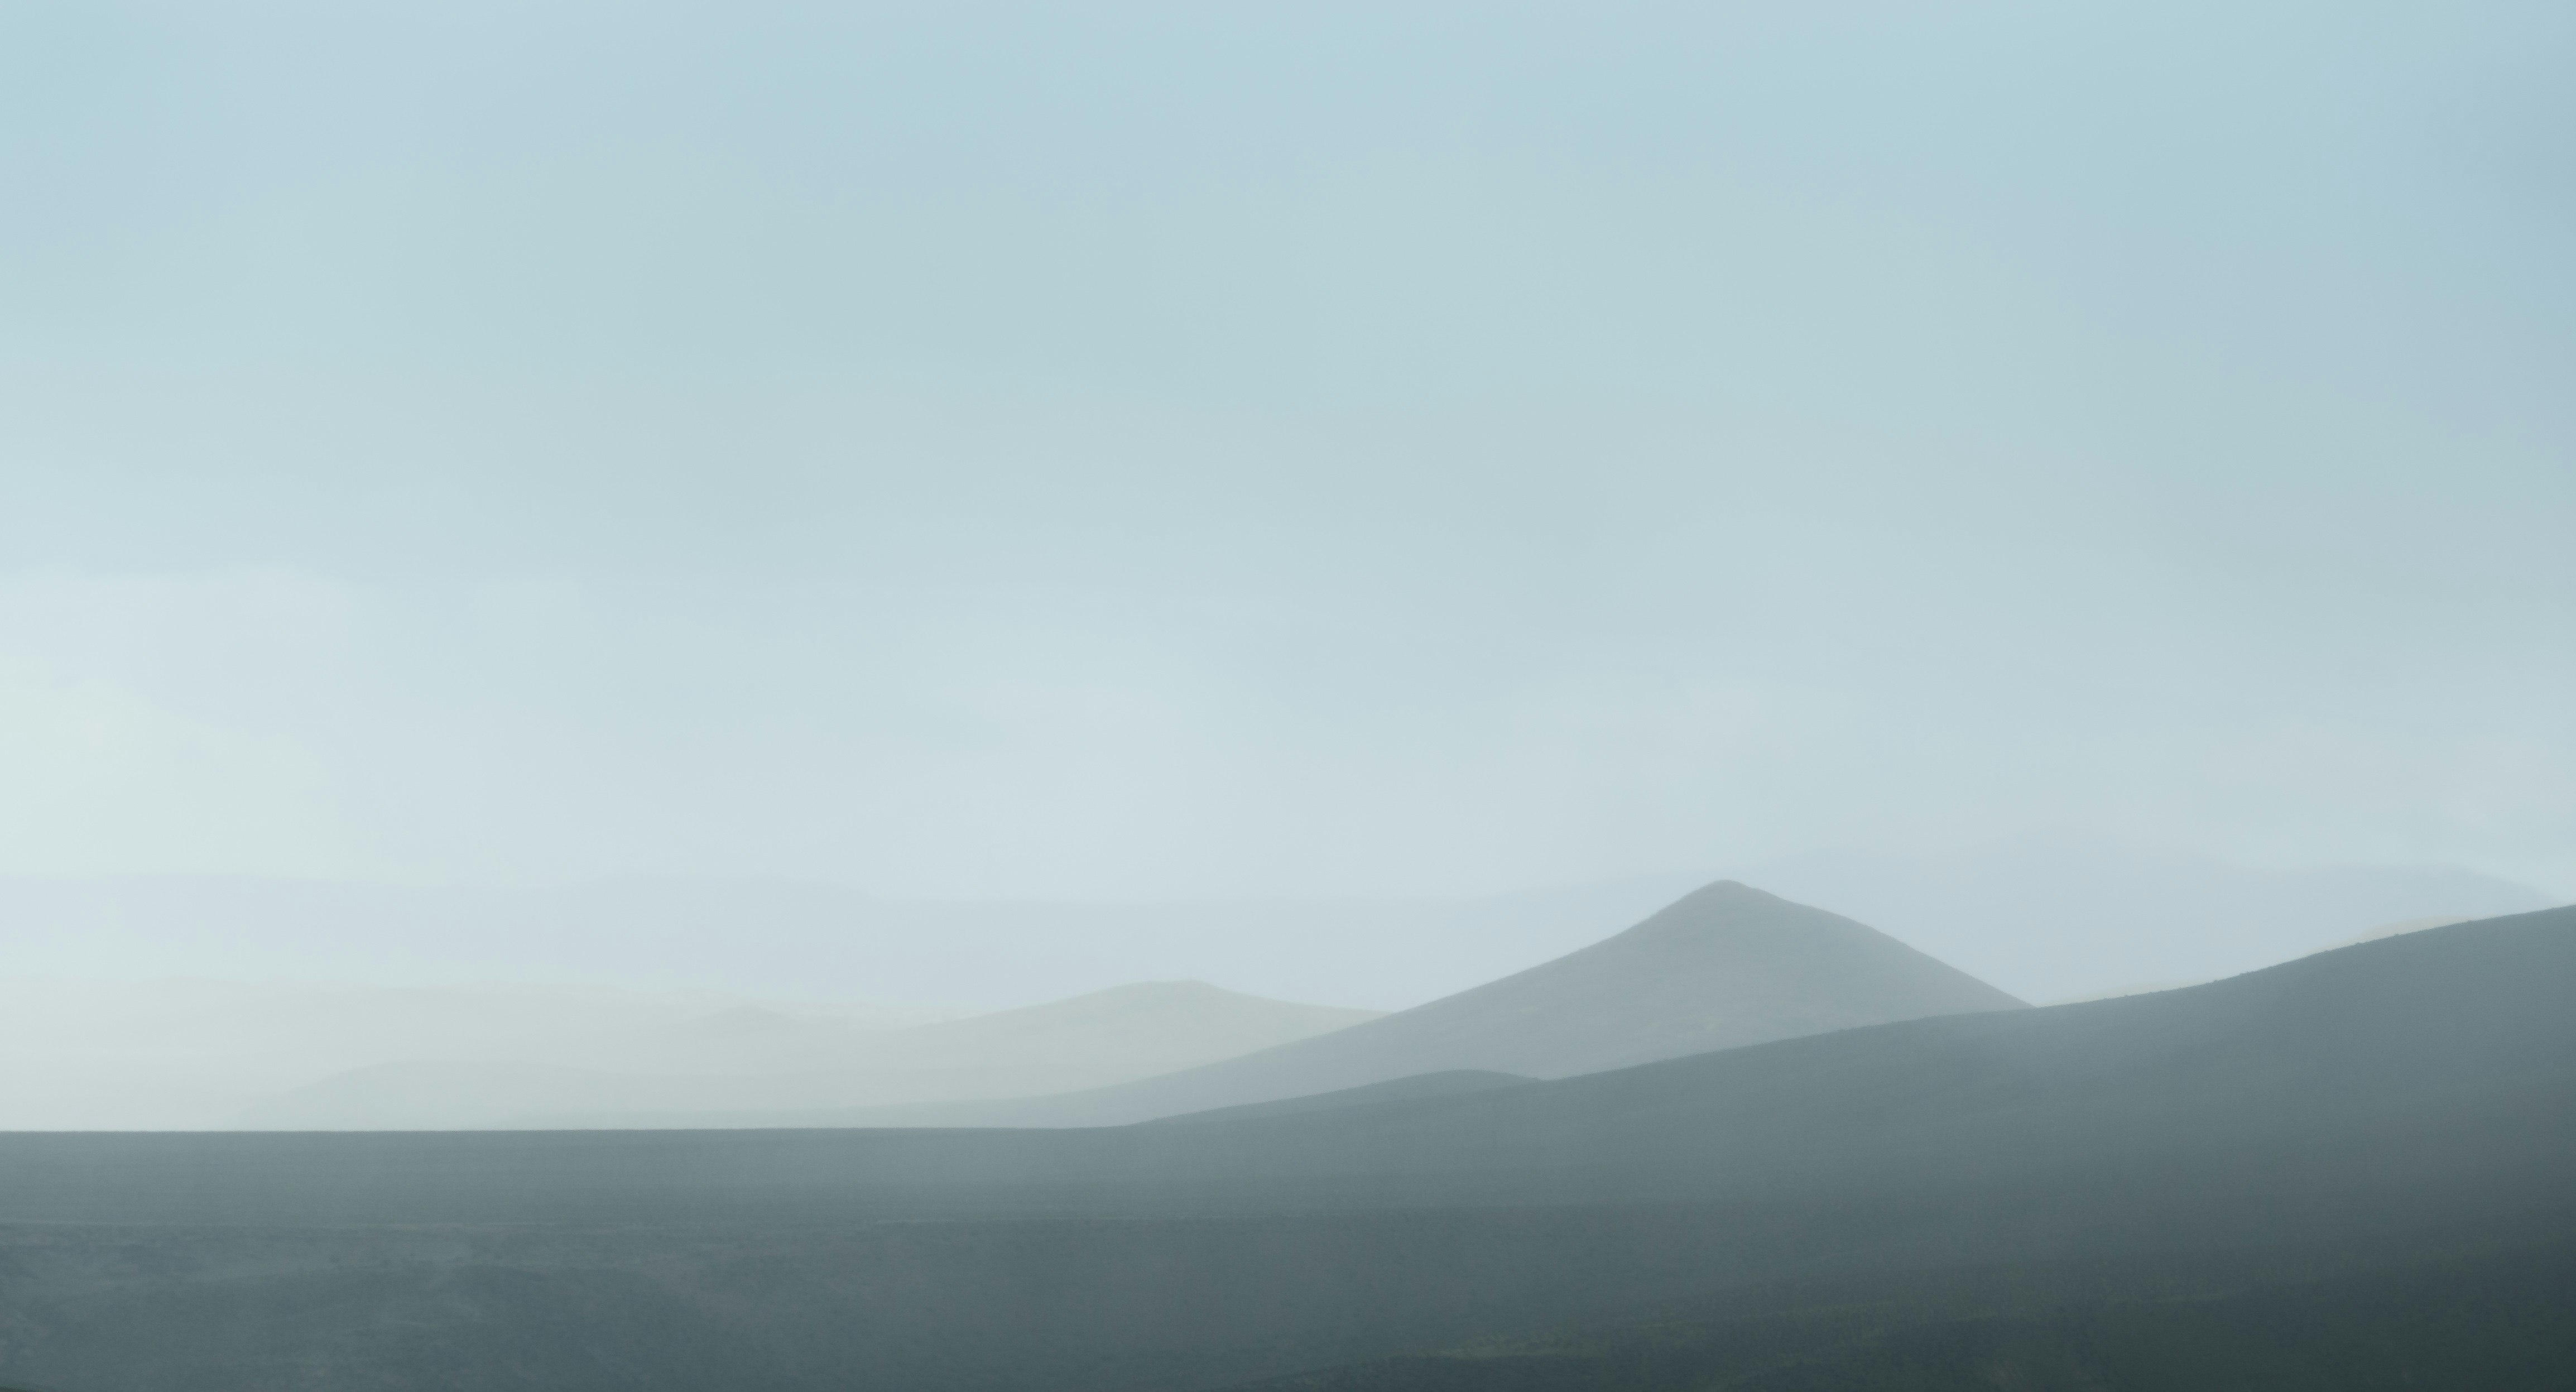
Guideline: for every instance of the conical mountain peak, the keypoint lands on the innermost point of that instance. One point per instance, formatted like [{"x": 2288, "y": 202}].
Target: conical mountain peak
[
  {"x": 1712, "y": 907},
  {"x": 1725, "y": 965}
]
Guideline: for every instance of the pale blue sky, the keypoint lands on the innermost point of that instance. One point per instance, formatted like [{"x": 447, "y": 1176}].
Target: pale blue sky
[{"x": 1140, "y": 451}]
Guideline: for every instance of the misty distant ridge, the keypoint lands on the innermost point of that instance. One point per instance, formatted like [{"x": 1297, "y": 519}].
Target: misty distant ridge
[
  {"x": 1724, "y": 966},
  {"x": 787, "y": 941},
  {"x": 178, "y": 1054},
  {"x": 188, "y": 1054},
  {"x": 2061, "y": 920},
  {"x": 750, "y": 1060},
  {"x": 2041, "y": 920}
]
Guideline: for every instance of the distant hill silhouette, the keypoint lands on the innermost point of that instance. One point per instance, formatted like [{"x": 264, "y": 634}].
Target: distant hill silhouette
[
  {"x": 2060, "y": 920},
  {"x": 1724, "y": 966},
  {"x": 722, "y": 1064},
  {"x": 768, "y": 939},
  {"x": 180, "y": 1054}
]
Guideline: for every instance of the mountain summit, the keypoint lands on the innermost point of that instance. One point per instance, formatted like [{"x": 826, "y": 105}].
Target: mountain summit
[{"x": 1724, "y": 966}]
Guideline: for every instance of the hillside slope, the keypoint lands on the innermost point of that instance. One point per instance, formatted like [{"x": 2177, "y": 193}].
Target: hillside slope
[
  {"x": 2445, "y": 1035},
  {"x": 1724, "y": 966},
  {"x": 2061, "y": 920}
]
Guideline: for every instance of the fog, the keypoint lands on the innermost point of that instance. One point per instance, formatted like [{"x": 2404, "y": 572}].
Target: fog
[
  {"x": 187, "y": 1002},
  {"x": 1159, "y": 698},
  {"x": 2045, "y": 920},
  {"x": 1149, "y": 454}
]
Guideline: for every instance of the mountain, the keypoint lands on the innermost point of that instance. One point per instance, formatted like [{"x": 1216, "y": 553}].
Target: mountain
[
  {"x": 2236, "y": 1159},
  {"x": 2444, "y": 1050},
  {"x": 770, "y": 969},
  {"x": 2061, "y": 920},
  {"x": 752, "y": 1060},
  {"x": 1724, "y": 966},
  {"x": 2448, "y": 1050}
]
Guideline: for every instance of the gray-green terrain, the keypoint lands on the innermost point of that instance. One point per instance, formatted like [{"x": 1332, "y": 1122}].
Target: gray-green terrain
[{"x": 2390, "y": 1117}]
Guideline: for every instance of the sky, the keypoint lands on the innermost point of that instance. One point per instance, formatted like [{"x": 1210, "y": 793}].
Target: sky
[{"x": 1125, "y": 451}]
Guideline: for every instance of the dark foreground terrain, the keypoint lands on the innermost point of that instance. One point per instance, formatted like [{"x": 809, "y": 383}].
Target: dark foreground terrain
[
  {"x": 2348, "y": 1171},
  {"x": 2489, "y": 1311}
]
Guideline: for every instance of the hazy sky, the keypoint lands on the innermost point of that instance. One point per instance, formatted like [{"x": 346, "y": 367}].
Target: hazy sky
[{"x": 1281, "y": 448}]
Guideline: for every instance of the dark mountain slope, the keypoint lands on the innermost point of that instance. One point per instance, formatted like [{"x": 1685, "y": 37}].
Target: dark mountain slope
[{"x": 2469, "y": 1020}]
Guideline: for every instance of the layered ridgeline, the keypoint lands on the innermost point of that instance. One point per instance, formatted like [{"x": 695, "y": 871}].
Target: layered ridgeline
[
  {"x": 752, "y": 1061},
  {"x": 2431, "y": 1040},
  {"x": 186, "y": 1054},
  {"x": 2160, "y": 1155},
  {"x": 1724, "y": 966}
]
